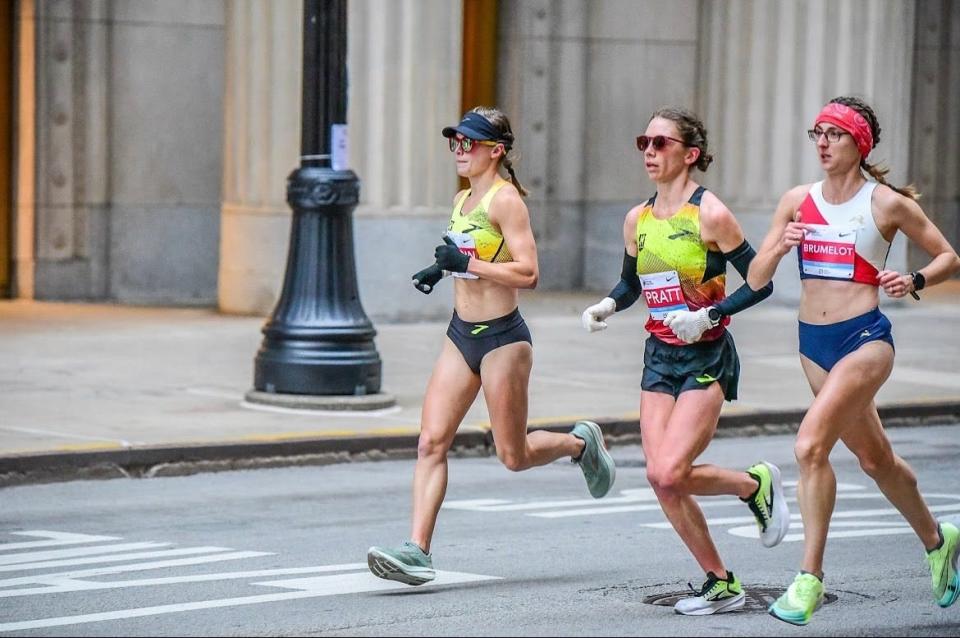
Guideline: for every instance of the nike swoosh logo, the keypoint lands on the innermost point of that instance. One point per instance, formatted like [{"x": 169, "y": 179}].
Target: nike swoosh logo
[
  {"x": 865, "y": 333},
  {"x": 706, "y": 378},
  {"x": 846, "y": 234},
  {"x": 478, "y": 328},
  {"x": 682, "y": 233}
]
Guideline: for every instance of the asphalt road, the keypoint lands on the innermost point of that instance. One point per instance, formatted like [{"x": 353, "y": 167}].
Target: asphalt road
[{"x": 282, "y": 552}]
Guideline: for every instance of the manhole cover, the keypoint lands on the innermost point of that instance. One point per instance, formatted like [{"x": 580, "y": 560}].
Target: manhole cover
[{"x": 756, "y": 599}]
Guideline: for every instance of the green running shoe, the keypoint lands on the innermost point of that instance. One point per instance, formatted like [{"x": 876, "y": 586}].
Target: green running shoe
[
  {"x": 405, "y": 564},
  {"x": 715, "y": 596},
  {"x": 595, "y": 461},
  {"x": 943, "y": 566},
  {"x": 768, "y": 505},
  {"x": 802, "y": 598}
]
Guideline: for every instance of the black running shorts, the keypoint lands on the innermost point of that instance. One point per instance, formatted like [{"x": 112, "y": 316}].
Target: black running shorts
[
  {"x": 674, "y": 369},
  {"x": 474, "y": 340}
]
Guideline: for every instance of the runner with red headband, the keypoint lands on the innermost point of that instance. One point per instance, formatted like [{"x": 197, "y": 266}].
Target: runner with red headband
[
  {"x": 676, "y": 249},
  {"x": 841, "y": 228}
]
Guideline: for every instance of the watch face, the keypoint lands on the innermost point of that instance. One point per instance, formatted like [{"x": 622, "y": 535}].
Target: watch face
[{"x": 714, "y": 315}]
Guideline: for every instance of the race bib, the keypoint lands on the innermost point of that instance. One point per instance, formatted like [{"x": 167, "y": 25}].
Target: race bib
[
  {"x": 828, "y": 251},
  {"x": 663, "y": 293},
  {"x": 466, "y": 244}
]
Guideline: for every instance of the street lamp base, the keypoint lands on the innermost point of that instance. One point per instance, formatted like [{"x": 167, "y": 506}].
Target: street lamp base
[{"x": 341, "y": 403}]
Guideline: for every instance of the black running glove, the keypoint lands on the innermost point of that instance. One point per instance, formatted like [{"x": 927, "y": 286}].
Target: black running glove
[
  {"x": 450, "y": 258},
  {"x": 426, "y": 279}
]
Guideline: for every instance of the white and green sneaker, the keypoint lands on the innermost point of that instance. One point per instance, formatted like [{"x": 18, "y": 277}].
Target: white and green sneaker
[
  {"x": 714, "y": 597},
  {"x": 768, "y": 504},
  {"x": 406, "y": 564},
  {"x": 943, "y": 566},
  {"x": 802, "y": 598},
  {"x": 595, "y": 461}
]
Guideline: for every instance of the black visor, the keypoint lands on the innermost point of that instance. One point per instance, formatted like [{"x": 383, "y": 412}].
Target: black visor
[{"x": 474, "y": 126}]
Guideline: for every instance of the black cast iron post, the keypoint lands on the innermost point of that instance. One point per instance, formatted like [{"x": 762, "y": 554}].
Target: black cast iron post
[{"x": 319, "y": 341}]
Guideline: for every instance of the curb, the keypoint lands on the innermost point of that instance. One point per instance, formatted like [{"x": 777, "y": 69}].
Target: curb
[{"x": 178, "y": 460}]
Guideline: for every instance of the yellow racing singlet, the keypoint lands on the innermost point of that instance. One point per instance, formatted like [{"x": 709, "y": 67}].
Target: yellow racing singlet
[
  {"x": 676, "y": 269},
  {"x": 475, "y": 234}
]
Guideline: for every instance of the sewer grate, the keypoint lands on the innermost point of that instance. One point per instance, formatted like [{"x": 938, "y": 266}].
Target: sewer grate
[{"x": 756, "y": 599}]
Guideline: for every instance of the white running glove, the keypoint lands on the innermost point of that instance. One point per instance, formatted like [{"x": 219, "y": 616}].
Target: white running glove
[
  {"x": 688, "y": 326},
  {"x": 593, "y": 317}
]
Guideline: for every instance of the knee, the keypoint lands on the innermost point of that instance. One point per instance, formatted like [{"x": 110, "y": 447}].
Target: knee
[
  {"x": 668, "y": 480},
  {"x": 431, "y": 446},
  {"x": 811, "y": 453},
  {"x": 513, "y": 460}
]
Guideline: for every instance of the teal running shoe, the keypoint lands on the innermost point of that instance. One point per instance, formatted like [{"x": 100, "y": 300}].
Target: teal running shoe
[
  {"x": 406, "y": 564},
  {"x": 595, "y": 461},
  {"x": 714, "y": 597},
  {"x": 802, "y": 598},
  {"x": 943, "y": 566},
  {"x": 768, "y": 505}
]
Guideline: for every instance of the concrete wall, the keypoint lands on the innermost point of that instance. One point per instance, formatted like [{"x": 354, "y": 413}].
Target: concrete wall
[
  {"x": 128, "y": 152},
  {"x": 162, "y": 130}
]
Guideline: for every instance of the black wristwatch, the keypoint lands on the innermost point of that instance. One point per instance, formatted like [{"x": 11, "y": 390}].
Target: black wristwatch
[
  {"x": 919, "y": 281},
  {"x": 714, "y": 315}
]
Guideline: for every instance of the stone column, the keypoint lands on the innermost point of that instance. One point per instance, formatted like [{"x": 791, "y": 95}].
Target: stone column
[
  {"x": 768, "y": 68},
  {"x": 935, "y": 144},
  {"x": 62, "y": 198},
  {"x": 25, "y": 143},
  {"x": 261, "y": 147},
  {"x": 580, "y": 78},
  {"x": 404, "y": 86}
]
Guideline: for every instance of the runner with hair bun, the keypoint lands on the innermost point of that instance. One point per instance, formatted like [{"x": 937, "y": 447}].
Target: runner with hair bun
[{"x": 677, "y": 246}]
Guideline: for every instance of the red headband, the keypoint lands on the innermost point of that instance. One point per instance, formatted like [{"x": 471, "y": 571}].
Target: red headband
[{"x": 850, "y": 120}]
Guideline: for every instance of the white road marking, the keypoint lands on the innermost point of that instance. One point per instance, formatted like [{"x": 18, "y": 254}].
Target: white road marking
[
  {"x": 32, "y": 557},
  {"x": 751, "y": 532},
  {"x": 308, "y": 588},
  {"x": 730, "y": 520},
  {"x": 88, "y": 560},
  {"x": 650, "y": 507},
  {"x": 632, "y": 501},
  {"x": 54, "y": 539},
  {"x": 65, "y": 584},
  {"x": 506, "y": 506},
  {"x": 136, "y": 567}
]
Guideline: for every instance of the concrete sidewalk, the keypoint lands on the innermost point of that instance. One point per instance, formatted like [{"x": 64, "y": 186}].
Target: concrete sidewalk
[{"x": 98, "y": 390}]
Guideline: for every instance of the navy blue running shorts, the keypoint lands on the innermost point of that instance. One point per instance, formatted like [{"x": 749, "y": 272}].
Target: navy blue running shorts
[{"x": 826, "y": 344}]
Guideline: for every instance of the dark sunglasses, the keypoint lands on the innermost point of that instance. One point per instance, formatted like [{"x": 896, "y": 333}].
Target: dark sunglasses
[
  {"x": 466, "y": 144},
  {"x": 658, "y": 141}
]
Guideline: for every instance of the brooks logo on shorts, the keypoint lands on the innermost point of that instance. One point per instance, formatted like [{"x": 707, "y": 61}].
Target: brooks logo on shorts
[
  {"x": 865, "y": 333},
  {"x": 478, "y": 328},
  {"x": 706, "y": 378}
]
